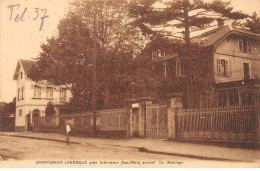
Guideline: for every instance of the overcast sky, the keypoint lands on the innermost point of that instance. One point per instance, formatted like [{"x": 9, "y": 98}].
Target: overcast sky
[{"x": 21, "y": 39}]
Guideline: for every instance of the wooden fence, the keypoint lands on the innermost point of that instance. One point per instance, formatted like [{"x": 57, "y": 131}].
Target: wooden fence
[
  {"x": 224, "y": 124},
  {"x": 107, "y": 120}
]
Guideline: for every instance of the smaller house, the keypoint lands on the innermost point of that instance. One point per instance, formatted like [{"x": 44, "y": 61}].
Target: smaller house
[{"x": 32, "y": 97}]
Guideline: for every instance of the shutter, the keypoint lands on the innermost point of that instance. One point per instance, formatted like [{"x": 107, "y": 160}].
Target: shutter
[
  {"x": 218, "y": 67},
  {"x": 249, "y": 47},
  {"x": 229, "y": 69}
]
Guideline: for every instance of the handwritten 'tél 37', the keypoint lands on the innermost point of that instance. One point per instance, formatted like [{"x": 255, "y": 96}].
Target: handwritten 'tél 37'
[{"x": 20, "y": 15}]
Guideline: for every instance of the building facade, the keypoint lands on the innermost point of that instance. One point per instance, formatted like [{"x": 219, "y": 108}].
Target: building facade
[
  {"x": 32, "y": 97},
  {"x": 224, "y": 71}
]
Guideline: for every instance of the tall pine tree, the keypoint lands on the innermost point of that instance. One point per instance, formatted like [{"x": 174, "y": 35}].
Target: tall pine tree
[{"x": 178, "y": 19}]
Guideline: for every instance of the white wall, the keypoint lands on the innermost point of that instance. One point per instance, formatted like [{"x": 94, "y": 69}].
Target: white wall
[{"x": 29, "y": 103}]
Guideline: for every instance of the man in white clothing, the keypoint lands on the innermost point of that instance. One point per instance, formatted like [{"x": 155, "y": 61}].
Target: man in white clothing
[{"x": 68, "y": 130}]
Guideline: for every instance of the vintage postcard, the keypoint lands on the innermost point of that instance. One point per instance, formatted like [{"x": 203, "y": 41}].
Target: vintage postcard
[{"x": 129, "y": 84}]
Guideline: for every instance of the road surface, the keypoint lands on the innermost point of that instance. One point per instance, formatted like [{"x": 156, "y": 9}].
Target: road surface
[{"x": 14, "y": 152}]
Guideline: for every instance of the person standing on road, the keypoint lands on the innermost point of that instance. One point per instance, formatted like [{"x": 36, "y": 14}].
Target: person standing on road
[{"x": 68, "y": 130}]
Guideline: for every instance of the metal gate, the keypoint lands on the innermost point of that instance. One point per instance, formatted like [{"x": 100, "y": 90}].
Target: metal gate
[{"x": 156, "y": 121}]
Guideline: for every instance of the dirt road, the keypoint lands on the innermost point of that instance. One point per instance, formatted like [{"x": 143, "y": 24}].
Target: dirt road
[{"x": 16, "y": 151}]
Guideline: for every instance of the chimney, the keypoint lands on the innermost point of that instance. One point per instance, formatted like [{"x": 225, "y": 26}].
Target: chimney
[{"x": 220, "y": 22}]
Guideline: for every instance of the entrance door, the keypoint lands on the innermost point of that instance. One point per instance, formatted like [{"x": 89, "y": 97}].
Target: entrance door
[
  {"x": 156, "y": 121},
  {"x": 28, "y": 122},
  {"x": 36, "y": 113},
  {"x": 135, "y": 122}
]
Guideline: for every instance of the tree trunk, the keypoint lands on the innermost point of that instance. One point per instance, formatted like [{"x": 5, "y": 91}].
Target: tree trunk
[
  {"x": 189, "y": 93},
  {"x": 186, "y": 22}
]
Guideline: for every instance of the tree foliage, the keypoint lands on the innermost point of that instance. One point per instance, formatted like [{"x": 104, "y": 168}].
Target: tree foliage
[
  {"x": 8, "y": 108},
  {"x": 49, "y": 110},
  {"x": 179, "y": 19},
  {"x": 181, "y": 16},
  {"x": 119, "y": 42},
  {"x": 253, "y": 23},
  {"x": 67, "y": 59}
]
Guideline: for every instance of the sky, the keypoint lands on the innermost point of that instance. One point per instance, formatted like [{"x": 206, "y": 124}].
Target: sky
[{"x": 20, "y": 37}]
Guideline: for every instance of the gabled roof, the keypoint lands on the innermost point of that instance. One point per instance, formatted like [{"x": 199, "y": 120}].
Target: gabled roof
[
  {"x": 213, "y": 37},
  {"x": 25, "y": 64}
]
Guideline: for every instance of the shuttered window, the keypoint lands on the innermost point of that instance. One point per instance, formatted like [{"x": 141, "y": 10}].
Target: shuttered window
[
  {"x": 223, "y": 67},
  {"x": 245, "y": 46}
]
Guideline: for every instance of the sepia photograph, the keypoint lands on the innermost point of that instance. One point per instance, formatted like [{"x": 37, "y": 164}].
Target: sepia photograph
[{"x": 129, "y": 84}]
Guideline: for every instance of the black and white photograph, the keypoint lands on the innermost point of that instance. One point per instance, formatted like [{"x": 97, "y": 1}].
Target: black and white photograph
[{"x": 129, "y": 83}]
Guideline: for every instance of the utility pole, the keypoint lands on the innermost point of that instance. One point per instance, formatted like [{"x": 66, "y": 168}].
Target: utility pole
[{"x": 94, "y": 78}]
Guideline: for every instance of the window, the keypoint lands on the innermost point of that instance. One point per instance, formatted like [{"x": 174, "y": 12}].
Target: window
[
  {"x": 37, "y": 92},
  {"x": 22, "y": 93},
  {"x": 157, "y": 53},
  {"x": 222, "y": 67},
  {"x": 200, "y": 68},
  {"x": 205, "y": 100},
  {"x": 222, "y": 98},
  {"x": 21, "y": 75},
  {"x": 246, "y": 71},
  {"x": 244, "y": 46},
  {"x": 180, "y": 68},
  {"x": 247, "y": 96},
  {"x": 18, "y": 96},
  {"x": 63, "y": 95},
  {"x": 49, "y": 92},
  {"x": 20, "y": 112},
  {"x": 233, "y": 97}
]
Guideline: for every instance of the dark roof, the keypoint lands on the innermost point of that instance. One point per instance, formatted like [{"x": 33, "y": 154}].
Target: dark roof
[
  {"x": 212, "y": 37},
  {"x": 26, "y": 64}
]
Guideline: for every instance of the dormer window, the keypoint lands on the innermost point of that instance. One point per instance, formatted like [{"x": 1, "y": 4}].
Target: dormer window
[
  {"x": 21, "y": 75},
  {"x": 245, "y": 46}
]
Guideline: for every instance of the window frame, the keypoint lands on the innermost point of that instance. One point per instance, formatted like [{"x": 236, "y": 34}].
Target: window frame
[
  {"x": 18, "y": 95},
  {"x": 49, "y": 88},
  {"x": 241, "y": 46},
  {"x": 38, "y": 95},
  {"x": 205, "y": 96},
  {"x": 233, "y": 97},
  {"x": 249, "y": 71},
  {"x": 20, "y": 114},
  {"x": 222, "y": 98},
  {"x": 180, "y": 68},
  {"x": 22, "y": 93},
  {"x": 223, "y": 67},
  {"x": 63, "y": 91}
]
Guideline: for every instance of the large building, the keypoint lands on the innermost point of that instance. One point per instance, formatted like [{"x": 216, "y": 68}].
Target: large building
[
  {"x": 225, "y": 71},
  {"x": 32, "y": 97}
]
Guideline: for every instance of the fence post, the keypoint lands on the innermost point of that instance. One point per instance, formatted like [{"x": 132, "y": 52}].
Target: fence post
[
  {"x": 130, "y": 124},
  {"x": 175, "y": 104}
]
